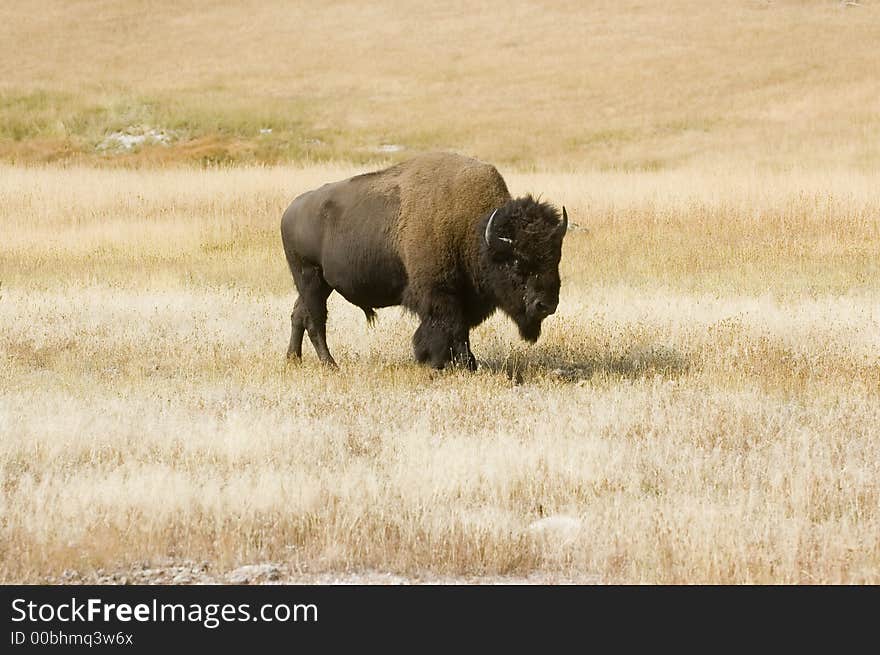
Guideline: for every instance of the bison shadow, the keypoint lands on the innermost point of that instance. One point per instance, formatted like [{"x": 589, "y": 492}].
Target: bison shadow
[{"x": 637, "y": 361}]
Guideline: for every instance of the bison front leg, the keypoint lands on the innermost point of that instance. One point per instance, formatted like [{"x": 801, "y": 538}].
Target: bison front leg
[
  {"x": 461, "y": 353},
  {"x": 438, "y": 342}
]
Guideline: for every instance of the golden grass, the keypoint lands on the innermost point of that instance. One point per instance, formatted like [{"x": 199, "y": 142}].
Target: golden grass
[
  {"x": 638, "y": 85},
  {"x": 704, "y": 406}
]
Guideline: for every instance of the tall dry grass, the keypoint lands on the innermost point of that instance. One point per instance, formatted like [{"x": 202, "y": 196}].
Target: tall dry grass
[{"x": 703, "y": 407}]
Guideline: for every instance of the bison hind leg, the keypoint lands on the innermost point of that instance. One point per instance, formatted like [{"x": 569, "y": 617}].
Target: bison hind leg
[
  {"x": 313, "y": 292},
  {"x": 297, "y": 330}
]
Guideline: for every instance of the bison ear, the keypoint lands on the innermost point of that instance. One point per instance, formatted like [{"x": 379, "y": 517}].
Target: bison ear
[
  {"x": 562, "y": 228},
  {"x": 493, "y": 239}
]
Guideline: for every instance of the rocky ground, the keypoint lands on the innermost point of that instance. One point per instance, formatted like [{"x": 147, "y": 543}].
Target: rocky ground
[{"x": 269, "y": 573}]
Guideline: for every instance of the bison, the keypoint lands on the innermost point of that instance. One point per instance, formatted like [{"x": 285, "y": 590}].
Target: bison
[{"x": 439, "y": 234}]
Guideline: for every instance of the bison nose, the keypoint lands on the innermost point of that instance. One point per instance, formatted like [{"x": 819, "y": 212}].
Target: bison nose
[{"x": 544, "y": 309}]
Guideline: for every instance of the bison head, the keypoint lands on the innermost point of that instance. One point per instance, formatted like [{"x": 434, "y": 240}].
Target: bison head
[{"x": 522, "y": 245}]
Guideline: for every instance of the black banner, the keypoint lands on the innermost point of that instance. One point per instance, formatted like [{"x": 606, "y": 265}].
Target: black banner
[{"x": 148, "y": 618}]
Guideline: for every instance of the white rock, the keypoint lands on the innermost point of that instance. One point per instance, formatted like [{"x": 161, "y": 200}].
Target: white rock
[
  {"x": 558, "y": 526},
  {"x": 250, "y": 572},
  {"x": 134, "y": 136}
]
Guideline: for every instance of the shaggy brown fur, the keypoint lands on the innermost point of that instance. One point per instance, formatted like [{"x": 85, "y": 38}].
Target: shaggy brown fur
[{"x": 415, "y": 235}]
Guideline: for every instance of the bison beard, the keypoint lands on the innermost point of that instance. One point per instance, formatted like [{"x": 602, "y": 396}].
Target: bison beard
[
  {"x": 530, "y": 330},
  {"x": 438, "y": 234}
]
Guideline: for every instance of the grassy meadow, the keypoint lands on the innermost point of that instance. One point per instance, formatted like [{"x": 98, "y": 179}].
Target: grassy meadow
[
  {"x": 702, "y": 408},
  {"x": 604, "y": 84}
]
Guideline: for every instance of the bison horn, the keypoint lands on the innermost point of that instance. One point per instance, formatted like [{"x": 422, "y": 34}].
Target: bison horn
[
  {"x": 563, "y": 226},
  {"x": 488, "y": 236}
]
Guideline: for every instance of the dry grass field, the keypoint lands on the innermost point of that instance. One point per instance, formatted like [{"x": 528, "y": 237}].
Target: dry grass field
[
  {"x": 634, "y": 84},
  {"x": 703, "y": 407}
]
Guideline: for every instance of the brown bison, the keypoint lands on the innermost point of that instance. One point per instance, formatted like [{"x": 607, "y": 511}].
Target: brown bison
[{"x": 438, "y": 234}]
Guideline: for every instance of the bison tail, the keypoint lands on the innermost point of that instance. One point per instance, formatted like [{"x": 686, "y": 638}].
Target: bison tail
[{"x": 370, "y": 314}]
